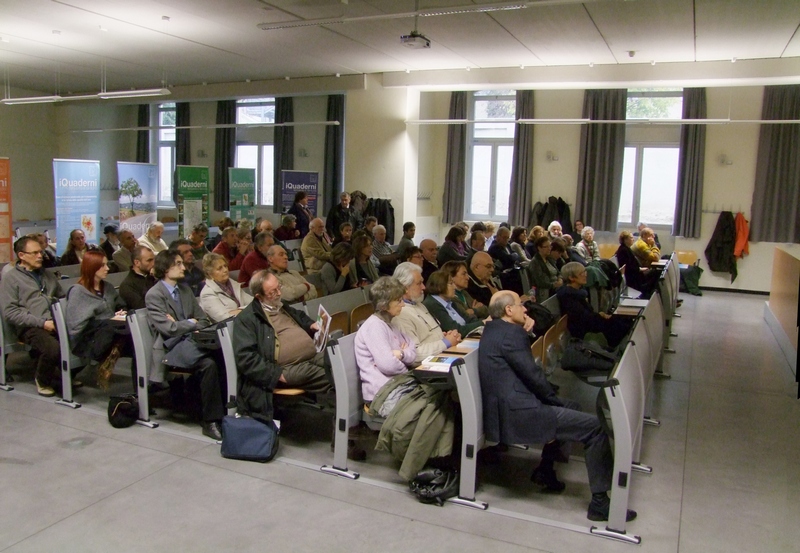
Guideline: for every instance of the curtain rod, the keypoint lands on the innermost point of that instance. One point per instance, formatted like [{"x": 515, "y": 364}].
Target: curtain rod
[
  {"x": 613, "y": 121},
  {"x": 220, "y": 126}
]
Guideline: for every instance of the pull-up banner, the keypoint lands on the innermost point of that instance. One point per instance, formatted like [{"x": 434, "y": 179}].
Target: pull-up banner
[
  {"x": 138, "y": 195},
  {"x": 77, "y": 183},
  {"x": 192, "y": 200},
  {"x": 242, "y": 193},
  {"x": 6, "y": 232},
  {"x": 299, "y": 181}
]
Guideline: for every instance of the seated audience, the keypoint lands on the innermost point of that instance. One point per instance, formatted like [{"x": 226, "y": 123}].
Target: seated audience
[
  {"x": 587, "y": 247},
  {"x": 91, "y": 304},
  {"x": 477, "y": 243},
  {"x": 345, "y": 233},
  {"x": 640, "y": 227},
  {"x": 382, "y": 350},
  {"x": 26, "y": 294},
  {"x": 222, "y": 224},
  {"x": 76, "y": 247},
  {"x": 261, "y": 364},
  {"x": 123, "y": 257},
  {"x": 174, "y": 313},
  {"x": 49, "y": 257},
  {"x": 519, "y": 236},
  {"x": 490, "y": 229},
  {"x": 439, "y": 301},
  {"x": 369, "y": 225},
  {"x": 288, "y": 229},
  {"x": 257, "y": 259},
  {"x": 316, "y": 247},
  {"x": 407, "y": 241},
  {"x": 415, "y": 321},
  {"x": 294, "y": 287},
  {"x": 453, "y": 248},
  {"x": 477, "y": 226},
  {"x": 230, "y": 249},
  {"x": 382, "y": 251},
  {"x": 193, "y": 277},
  {"x": 197, "y": 239},
  {"x": 645, "y": 248},
  {"x": 465, "y": 303},
  {"x": 152, "y": 237},
  {"x": 361, "y": 266},
  {"x": 574, "y": 302},
  {"x": 577, "y": 233},
  {"x": 413, "y": 255},
  {"x": 139, "y": 279},
  {"x": 558, "y": 253},
  {"x": 554, "y": 230},
  {"x": 501, "y": 251},
  {"x": 521, "y": 407},
  {"x": 300, "y": 210},
  {"x": 572, "y": 254},
  {"x": 637, "y": 277},
  {"x": 429, "y": 257},
  {"x": 111, "y": 243},
  {"x": 530, "y": 245},
  {"x": 481, "y": 286},
  {"x": 335, "y": 274},
  {"x": 542, "y": 271},
  {"x": 221, "y": 297}
]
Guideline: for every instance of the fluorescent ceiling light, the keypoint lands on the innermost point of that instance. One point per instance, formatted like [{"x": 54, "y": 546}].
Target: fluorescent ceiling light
[
  {"x": 31, "y": 100},
  {"x": 134, "y": 93}
]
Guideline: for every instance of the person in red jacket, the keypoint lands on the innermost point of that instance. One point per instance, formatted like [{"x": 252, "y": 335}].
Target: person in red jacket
[
  {"x": 257, "y": 259},
  {"x": 231, "y": 250}
]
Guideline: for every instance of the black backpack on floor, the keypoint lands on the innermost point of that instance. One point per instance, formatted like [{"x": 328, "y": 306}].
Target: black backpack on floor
[{"x": 542, "y": 316}]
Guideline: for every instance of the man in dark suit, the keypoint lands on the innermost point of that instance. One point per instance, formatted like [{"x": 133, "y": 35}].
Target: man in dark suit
[
  {"x": 138, "y": 282},
  {"x": 174, "y": 312},
  {"x": 341, "y": 213},
  {"x": 520, "y": 406}
]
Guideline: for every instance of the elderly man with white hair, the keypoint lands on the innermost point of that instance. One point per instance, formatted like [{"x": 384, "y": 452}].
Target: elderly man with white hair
[
  {"x": 382, "y": 251},
  {"x": 152, "y": 238},
  {"x": 554, "y": 230},
  {"x": 414, "y": 319},
  {"x": 316, "y": 247}
]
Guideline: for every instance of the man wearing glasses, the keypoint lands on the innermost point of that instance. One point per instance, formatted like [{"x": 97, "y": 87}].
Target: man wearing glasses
[
  {"x": 174, "y": 313},
  {"x": 26, "y": 294},
  {"x": 481, "y": 287}
]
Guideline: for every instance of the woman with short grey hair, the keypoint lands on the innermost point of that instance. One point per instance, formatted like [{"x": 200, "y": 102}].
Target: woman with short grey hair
[
  {"x": 288, "y": 229},
  {"x": 587, "y": 247},
  {"x": 383, "y": 351}
]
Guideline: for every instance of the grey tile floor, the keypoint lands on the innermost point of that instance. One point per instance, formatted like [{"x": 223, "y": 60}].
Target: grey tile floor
[{"x": 725, "y": 471}]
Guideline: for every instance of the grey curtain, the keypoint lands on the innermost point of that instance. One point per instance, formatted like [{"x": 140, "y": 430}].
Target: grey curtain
[
  {"x": 183, "y": 152},
  {"x": 284, "y": 147},
  {"x": 601, "y": 156},
  {"x": 689, "y": 199},
  {"x": 333, "y": 184},
  {"x": 143, "y": 137},
  {"x": 455, "y": 175},
  {"x": 521, "y": 191},
  {"x": 224, "y": 153},
  {"x": 776, "y": 196}
]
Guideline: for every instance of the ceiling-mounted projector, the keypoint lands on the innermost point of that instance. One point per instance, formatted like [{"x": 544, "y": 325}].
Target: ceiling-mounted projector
[{"x": 415, "y": 41}]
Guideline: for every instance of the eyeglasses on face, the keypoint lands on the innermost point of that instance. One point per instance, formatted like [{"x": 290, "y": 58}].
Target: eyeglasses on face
[{"x": 33, "y": 253}]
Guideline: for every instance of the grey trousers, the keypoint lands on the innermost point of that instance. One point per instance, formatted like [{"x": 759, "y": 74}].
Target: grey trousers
[
  {"x": 576, "y": 426},
  {"x": 309, "y": 375}
]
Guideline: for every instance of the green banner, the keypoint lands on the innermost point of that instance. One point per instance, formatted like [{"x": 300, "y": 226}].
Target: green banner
[
  {"x": 242, "y": 193},
  {"x": 192, "y": 200}
]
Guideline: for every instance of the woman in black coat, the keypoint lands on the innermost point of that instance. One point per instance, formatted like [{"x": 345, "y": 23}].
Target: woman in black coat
[
  {"x": 300, "y": 210},
  {"x": 642, "y": 279}
]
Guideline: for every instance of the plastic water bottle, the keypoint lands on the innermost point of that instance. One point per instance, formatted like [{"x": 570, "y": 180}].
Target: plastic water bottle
[{"x": 532, "y": 293}]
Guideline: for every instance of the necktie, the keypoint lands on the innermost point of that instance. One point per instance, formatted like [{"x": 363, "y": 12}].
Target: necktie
[{"x": 178, "y": 307}]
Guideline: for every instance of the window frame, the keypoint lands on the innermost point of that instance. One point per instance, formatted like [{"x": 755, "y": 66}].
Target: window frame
[
  {"x": 637, "y": 184},
  {"x": 495, "y": 144},
  {"x": 261, "y": 146},
  {"x": 168, "y": 202},
  {"x": 244, "y": 138}
]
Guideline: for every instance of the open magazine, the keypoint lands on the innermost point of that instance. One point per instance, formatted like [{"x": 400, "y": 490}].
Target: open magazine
[{"x": 324, "y": 322}]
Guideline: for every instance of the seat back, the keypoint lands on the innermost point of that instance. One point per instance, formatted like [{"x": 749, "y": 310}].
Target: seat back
[
  {"x": 225, "y": 334},
  {"x": 68, "y": 361},
  {"x": 293, "y": 244},
  {"x": 687, "y": 257},
  {"x": 340, "y": 321},
  {"x": 115, "y": 279},
  {"x": 552, "y": 305},
  {"x": 537, "y": 350},
  {"x": 607, "y": 250},
  {"x": 468, "y": 384},
  {"x": 9, "y": 343},
  {"x": 295, "y": 265},
  {"x": 143, "y": 340},
  {"x": 314, "y": 279},
  {"x": 360, "y": 314},
  {"x": 550, "y": 351}
]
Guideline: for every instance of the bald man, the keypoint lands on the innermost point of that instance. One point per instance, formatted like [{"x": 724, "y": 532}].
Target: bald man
[
  {"x": 429, "y": 253},
  {"x": 316, "y": 247},
  {"x": 521, "y": 407},
  {"x": 481, "y": 287}
]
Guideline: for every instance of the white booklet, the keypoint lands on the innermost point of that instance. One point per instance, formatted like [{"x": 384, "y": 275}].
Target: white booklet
[
  {"x": 324, "y": 322},
  {"x": 439, "y": 363}
]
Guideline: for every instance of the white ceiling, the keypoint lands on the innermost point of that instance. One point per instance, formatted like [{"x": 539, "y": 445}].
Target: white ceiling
[{"x": 218, "y": 41}]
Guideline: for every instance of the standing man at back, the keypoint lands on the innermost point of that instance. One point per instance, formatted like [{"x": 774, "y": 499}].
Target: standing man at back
[
  {"x": 26, "y": 294},
  {"x": 341, "y": 213}
]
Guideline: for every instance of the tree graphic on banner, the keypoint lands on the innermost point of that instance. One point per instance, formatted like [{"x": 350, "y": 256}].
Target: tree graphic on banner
[{"x": 131, "y": 189}]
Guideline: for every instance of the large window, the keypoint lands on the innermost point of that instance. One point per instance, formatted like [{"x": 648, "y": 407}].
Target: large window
[
  {"x": 650, "y": 168},
  {"x": 489, "y": 155},
  {"x": 649, "y": 184},
  {"x": 166, "y": 151},
  {"x": 254, "y": 147}
]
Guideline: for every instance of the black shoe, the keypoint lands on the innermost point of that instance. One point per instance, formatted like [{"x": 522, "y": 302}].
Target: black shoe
[
  {"x": 156, "y": 387},
  {"x": 600, "y": 506},
  {"x": 212, "y": 430},
  {"x": 355, "y": 453},
  {"x": 546, "y": 478}
]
